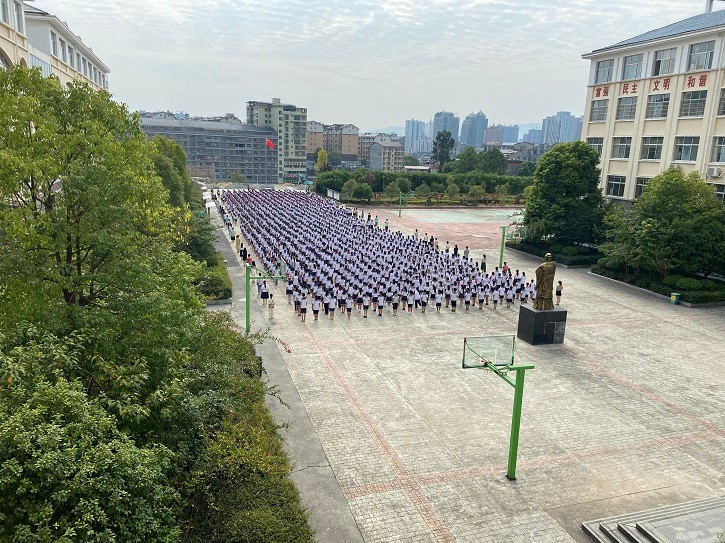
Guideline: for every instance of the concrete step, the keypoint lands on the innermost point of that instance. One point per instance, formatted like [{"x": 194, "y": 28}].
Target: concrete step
[{"x": 637, "y": 527}]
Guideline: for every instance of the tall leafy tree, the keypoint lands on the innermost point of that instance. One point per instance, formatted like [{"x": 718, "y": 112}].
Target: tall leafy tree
[
  {"x": 323, "y": 164},
  {"x": 565, "y": 202},
  {"x": 467, "y": 161},
  {"x": 410, "y": 160},
  {"x": 677, "y": 224},
  {"x": 492, "y": 161},
  {"x": 526, "y": 169},
  {"x": 442, "y": 147},
  {"x": 334, "y": 158}
]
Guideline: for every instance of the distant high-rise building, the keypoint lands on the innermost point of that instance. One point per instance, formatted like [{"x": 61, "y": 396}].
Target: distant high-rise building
[
  {"x": 218, "y": 146},
  {"x": 473, "y": 129},
  {"x": 511, "y": 133},
  {"x": 561, "y": 128},
  {"x": 290, "y": 122},
  {"x": 414, "y": 131},
  {"x": 366, "y": 140},
  {"x": 445, "y": 120},
  {"x": 498, "y": 134},
  {"x": 533, "y": 136}
]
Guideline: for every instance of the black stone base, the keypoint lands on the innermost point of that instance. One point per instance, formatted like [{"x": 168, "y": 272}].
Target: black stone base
[{"x": 541, "y": 327}]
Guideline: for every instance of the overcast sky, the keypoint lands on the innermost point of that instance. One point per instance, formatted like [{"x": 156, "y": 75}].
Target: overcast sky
[{"x": 373, "y": 63}]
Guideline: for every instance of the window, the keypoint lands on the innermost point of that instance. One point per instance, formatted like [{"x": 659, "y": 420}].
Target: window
[
  {"x": 718, "y": 149},
  {"x": 78, "y": 62},
  {"x": 95, "y": 75},
  {"x": 626, "y": 108},
  {"x": 719, "y": 191},
  {"x": 701, "y": 56},
  {"x": 19, "y": 17},
  {"x": 4, "y": 11},
  {"x": 599, "y": 110},
  {"x": 632, "y": 67},
  {"x": 54, "y": 43},
  {"x": 686, "y": 148},
  {"x": 615, "y": 185},
  {"x": 604, "y": 71},
  {"x": 621, "y": 147},
  {"x": 639, "y": 186},
  {"x": 657, "y": 106},
  {"x": 651, "y": 148},
  {"x": 721, "y": 105},
  {"x": 71, "y": 57},
  {"x": 693, "y": 104},
  {"x": 664, "y": 62},
  {"x": 597, "y": 143},
  {"x": 63, "y": 51}
]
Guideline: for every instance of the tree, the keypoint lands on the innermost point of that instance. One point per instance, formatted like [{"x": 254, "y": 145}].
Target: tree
[
  {"x": 422, "y": 191},
  {"x": 453, "y": 190},
  {"x": 476, "y": 192},
  {"x": 238, "y": 178},
  {"x": 493, "y": 161},
  {"x": 392, "y": 190},
  {"x": 334, "y": 158},
  {"x": 678, "y": 223},
  {"x": 348, "y": 189},
  {"x": 467, "y": 161},
  {"x": 565, "y": 201},
  {"x": 442, "y": 147},
  {"x": 410, "y": 160},
  {"x": 322, "y": 165},
  {"x": 526, "y": 169},
  {"x": 404, "y": 184},
  {"x": 363, "y": 191}
]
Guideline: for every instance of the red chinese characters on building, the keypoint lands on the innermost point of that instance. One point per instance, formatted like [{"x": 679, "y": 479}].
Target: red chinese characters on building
[
  {"x": 629, "y": 88},
  {"x": 703, "y": 80},
  {"x": 690, "y": 82},
  {"x": 601, "y": 91},
  {"x": 625, "y": 88},
  {"x": 666, "y": 83}
]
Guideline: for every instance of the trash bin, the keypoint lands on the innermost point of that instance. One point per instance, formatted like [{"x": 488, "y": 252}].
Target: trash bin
[{"x": 675, "y": 298}]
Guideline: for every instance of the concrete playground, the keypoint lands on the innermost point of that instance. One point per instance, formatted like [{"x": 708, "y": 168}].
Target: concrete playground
[{"x": 394, "y": 441}]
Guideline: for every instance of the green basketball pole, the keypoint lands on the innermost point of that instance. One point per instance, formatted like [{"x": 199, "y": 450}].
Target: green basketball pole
[
  {"x": 503, "y": 244},
  {"x": 400, "y": 209},
  {"x": 248, "y": 302}
]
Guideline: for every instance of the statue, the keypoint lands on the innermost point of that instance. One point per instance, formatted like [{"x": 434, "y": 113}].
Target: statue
[{"x": 545, "y": 284}]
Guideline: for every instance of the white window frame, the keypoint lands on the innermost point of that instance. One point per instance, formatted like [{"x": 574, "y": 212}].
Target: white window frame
[
  {"x": 54, "y": 43},
  {"x": 597, "y": 144},
  {"x": 601, "y": 70},
  {"x": 700, "y": 57},
  {"x": 657, "y": 108},
  {"x": 63, "y": 50},
  {"x": 71, "y": 56},
  {"x": 600, "y": 111},
  {"x": 718, "y": 149},
  {"x": 651, "y": 148},
  {"x": 632, "y": 67},
  {"x": 4, "y": 12},
  {"x": 684, "y": 147},
  {"x": 664, "y": 61},
  {"x": 692, "y": 106},
  {"x": 621, "y": 148},
  {"x": 640, "y": 182},
  {"x": 626, "y": 108},
  {"x": 19, "y": 22},
  {"x": 619, "y": 181}
]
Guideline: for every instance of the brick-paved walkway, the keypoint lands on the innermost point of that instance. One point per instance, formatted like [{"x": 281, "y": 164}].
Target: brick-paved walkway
[{"x": 627, "y": 414}]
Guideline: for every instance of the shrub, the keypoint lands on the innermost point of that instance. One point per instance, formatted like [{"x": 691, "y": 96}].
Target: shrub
[
  {"x": 214, "y": 283},
  {"x": 703, "y": 297},
  {"x": 570, "y": 250},
  {"x": 688, "y": 284},
  {"x": 671, "y": 280}
]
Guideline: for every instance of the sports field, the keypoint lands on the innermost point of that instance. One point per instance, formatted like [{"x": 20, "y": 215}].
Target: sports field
[{"x": 627, "y": 414}]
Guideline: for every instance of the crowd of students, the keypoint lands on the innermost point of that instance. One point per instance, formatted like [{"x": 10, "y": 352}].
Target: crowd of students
[{"x": 337, "y": 260}]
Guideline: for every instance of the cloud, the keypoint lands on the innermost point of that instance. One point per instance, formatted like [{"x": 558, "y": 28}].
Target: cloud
[{"x": 369, "y": 62}]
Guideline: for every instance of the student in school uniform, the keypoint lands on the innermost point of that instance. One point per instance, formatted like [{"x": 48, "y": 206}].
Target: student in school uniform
[
  {"x": 495, "y": 296},
  {"x": 331, "y": 306},
  {"x": 509, "y": 297},
  {"x": 439, "y": 301},
  {"x": 395, "y": 302},
  {"x": 381, "y": 304},
  {"x": 270, "y": 305},
  {"x": 467, "y": 299},
  {"x": 316, "y": 307},
  {"x": 348, "y": 306},
  {"x": 303, "y": 306},
  {"x": 423, "y": 302},
  {"x": 265, "y": 293},
  {"x": 454, "y": 301},
  {"x": 326, "y": 302},
  {"x": 289, "y": 292},
  {"x": 448, "y": 296},
  {"x": 366, "y": 305}
]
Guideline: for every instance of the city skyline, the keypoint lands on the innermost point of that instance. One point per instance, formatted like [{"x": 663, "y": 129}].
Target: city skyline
[{"x": 171, "y": 55}]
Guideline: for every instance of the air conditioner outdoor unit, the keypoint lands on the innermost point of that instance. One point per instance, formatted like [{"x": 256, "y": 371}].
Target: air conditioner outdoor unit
[{"x": 714, "y": 172}]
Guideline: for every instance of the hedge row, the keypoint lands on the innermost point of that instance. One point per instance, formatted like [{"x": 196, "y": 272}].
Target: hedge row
[
  {"x": 215, "y": 283},
  {"x": 698, "y": 293},
  {"x": 568, "y": 255}
]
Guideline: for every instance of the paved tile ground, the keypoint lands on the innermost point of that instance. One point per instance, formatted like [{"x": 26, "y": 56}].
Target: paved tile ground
[{"x": 627, "y": 414}]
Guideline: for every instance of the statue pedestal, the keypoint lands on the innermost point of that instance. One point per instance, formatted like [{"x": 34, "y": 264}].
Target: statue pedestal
[{"x": 539, "y": 327}]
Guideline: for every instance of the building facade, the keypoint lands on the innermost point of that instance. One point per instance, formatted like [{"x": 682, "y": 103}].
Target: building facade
[
  {"x": 414, "y": 131},
  {"x": 473, "y": 130},
  {"x": 343, "y": 139},
  {"x": 290, "y": 123},
  {"x": 445, "y": 120},
  {"x": 315, "y": 141},
  {"x": 34, "y": 38},
  {"x": 535, "y": 136},
  {"x": 366, "y": 140},
  {"x": 561, "y": 128},
  {"x": 219, "y": 146},
  {"x": 658, "y": 100},
  {"x": 386, "y": 156}
]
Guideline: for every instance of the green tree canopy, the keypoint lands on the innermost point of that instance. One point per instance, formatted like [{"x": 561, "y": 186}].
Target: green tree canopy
[
  {"x": 348, "y": 188},
  {"x": 492, "y": 161},
  {"x": 526, "y": 169},
  {"x": 476, "y": 191},
  {"x": 323, "y": 164},
  {"x": 467, "y": 161},
  {"x": 392, "y": 189},
  {"x": 334, "y": 158},
  {"x": 678, "y": 223},
  {"x": 565, "y": 201},
  {"x": 404, "y": 184},
  {"x": 442, "y": 147},
  {"x": 363, "y": 191},
  {"x": 410, "y": 160},
  {"x": 453, "y": 191},
  {"x": 422, "y": 191}
]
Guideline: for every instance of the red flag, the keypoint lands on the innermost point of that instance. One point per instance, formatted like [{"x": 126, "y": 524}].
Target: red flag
[{"x": 269, "y": 143}]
